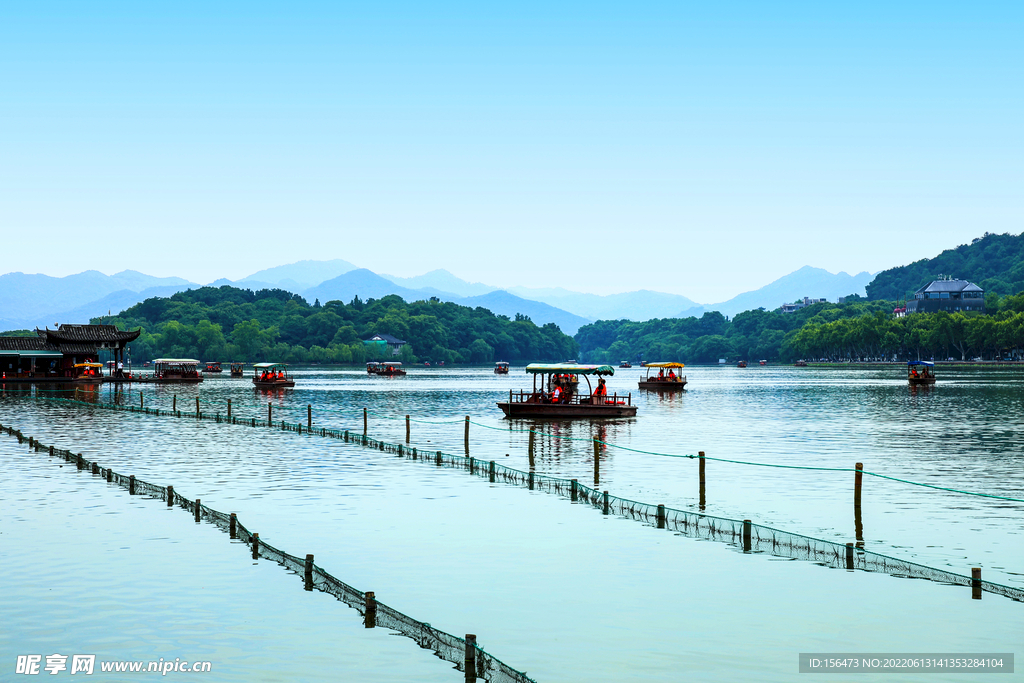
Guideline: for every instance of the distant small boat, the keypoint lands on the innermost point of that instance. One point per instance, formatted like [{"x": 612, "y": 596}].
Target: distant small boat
[
  {"x": 624, "y": 364},
  {"x": 213, "y": 366},
  {"x": 385, "y": 368},
  {"x": 662, "y": 382},
  {"x": 237, "y": 369},
  {"x": 742, "y": 364},
  {"x": 920, "y": 372},
  {"x": 271, "y": 376},
  {"x": 763, "y": 362},
  {"x": 800, "y": 364},
  {"x": 501, "y": 368}
]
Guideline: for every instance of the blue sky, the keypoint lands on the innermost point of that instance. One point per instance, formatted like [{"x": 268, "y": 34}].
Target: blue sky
[{"x": 703, "y": 149}]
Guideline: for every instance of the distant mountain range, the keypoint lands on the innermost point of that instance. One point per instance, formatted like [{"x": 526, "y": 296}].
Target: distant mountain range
[
  {"x": 77, "y": 298},
  {"x": 28, "y": 301}
]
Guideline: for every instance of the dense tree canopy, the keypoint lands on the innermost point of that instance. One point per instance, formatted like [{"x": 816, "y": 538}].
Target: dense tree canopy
[
  {"x": 993, "y": 262},
  {"x": 227, "y": 323},
  {"x": 853, "y": 331}
]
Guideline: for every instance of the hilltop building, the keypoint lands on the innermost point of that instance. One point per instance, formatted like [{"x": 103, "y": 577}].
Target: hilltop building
[
  {"x": 792, "y": 308},
  {"x": 394, "y": 344},
  {"x": 947, "y": 294}
]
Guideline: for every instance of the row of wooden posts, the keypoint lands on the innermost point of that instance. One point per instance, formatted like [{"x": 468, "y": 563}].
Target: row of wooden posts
[
  {"x": 370, "y": 601},
  {"x": 858, "y": 477}
]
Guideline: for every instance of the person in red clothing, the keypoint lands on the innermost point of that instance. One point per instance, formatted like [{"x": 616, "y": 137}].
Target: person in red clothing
[
  {"x": 556, "y": 394},
  {"x": 600, "y": 392}
]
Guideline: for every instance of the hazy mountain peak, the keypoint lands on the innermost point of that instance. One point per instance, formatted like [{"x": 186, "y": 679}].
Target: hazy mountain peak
[{"x": 305, "y": 274}]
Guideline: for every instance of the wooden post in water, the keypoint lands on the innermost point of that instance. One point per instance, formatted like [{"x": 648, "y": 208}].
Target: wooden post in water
[
  {"x": 309, "y": 417},
  {"x": 308, "y": 575},
  {"x": 532, "y": 439},
  {"x": 170, "y": 495},
  {"x": 849, "y": 557},
  {"x": 270, "y": 415},
  {"x": 438, "y": 458},
  {"x": 229, "y": 410},
  {"x": 574, "y": 490},
  {"x": 605, "y": 509},
  {"x": 597, "y": 464},
  {"x": 746, "y": 535},
  {"x": 465, "y": 438},
  {"x": 407, "y": 429},
  {"x": 364, "y": 421},
  {"x": 255, "y": 546},
  {"x": 370, "y": 610},
  {"x": 233, "y": 526},
  {"x": 470, "y": 658},
  {"x": 858, "y": 524},
  {"x": 197, "y": 408},
  {"x": 78, "y": 461},
  {"x": 703, "y": 499},
  {"x": 51, "y": 451},
  {"x": 174, "y": 404},
  {"x": 198, "y": 508},
  {"x": 95, "y": 468},
  {"x": 976, "y": 583},
  {"x": 142, "y": 403},
  {"x": 530, "y": 479},
  {"x": 131, "y": 485},
  {"x": 492, "y": 471},
  {"x": 661, "y": 516}
]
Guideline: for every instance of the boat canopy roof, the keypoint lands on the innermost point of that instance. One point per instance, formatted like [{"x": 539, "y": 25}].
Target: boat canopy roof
[
  {"x": 501, "y": 362},
  {"x": 88, "y": 365},
  {"x": 177, "y": 361},
  {"x": 570, "y": 368},
  {"x": 665, "y": 365},
  {"x": 267, "y": 366},
  {"x": 921, "y": 362}
]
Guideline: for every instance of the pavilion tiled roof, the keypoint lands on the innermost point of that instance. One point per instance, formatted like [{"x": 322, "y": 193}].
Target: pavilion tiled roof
[
  {"x": 26, "y": 344},
  {"x": 89, "y": 334},
  {"x": 950, "y": 286},
  {"x": 77, "y": 349}
]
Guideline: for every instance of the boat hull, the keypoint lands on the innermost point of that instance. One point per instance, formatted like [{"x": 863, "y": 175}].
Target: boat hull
[
  {"x": 916, "y": 381},
  {"x": 663, "y": 386},
  {"x": 569, "y": 410},
  {"x": 285, "y": 384}
]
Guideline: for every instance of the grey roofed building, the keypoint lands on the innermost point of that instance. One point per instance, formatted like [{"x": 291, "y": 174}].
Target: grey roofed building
[
  {"x": 394, "y": 344},
  {"x": 947, "y": 294}
]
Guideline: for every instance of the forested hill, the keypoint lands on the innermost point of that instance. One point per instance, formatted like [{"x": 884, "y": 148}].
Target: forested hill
[
  {"x": 994, "y": 262},
  {"x": 227, "y": 323}
]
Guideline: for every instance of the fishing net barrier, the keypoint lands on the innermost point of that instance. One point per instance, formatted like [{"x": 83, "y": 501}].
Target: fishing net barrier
[
  {"x": 467, "y": 656},
  {"x": 744, "y": 534}
]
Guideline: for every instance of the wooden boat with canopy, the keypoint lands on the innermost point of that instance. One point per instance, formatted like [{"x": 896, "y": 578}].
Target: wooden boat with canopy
[
  {"x": 385, "y": 368},
  {"x": 173, "y": 371},
  {"x": 920, "y": 372},
  {"x": 88, "y": 372},
  {"x": 501, "y": 368},
  {"x": 271, "y": 376},
  {"x": 554, "y": 396},
  {"x": 213, "y": 366},
  {"x": 667, "y": 378},
  {"x": 237, "y": 369}
]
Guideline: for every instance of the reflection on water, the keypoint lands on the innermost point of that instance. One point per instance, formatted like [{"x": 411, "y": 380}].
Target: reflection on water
[{"x": 370, "y": 517}]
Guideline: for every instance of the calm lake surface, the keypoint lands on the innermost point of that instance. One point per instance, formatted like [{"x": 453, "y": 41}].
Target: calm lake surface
[{"x": 549, "y": 587}]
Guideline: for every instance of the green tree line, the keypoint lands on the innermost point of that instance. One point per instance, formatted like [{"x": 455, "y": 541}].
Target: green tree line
[
  {"x": 231, "y": 324},
  {"x": 862, "y": 330}
]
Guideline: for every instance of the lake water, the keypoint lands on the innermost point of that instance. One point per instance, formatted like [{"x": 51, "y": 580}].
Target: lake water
[{"x": 549, "y": 587}]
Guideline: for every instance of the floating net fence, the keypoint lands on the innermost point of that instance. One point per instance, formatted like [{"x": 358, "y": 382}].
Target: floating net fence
[
  {"x": 752, "y": 538},
  {"x": 464, "y": 653}
]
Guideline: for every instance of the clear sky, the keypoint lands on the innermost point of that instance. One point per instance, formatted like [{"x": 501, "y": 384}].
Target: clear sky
[{"x": 697, "y": 148}]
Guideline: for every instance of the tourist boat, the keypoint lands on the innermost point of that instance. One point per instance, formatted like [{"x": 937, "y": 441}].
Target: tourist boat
[
  {"x": 88, "y": 372},
  {"x": 662, "y": 382},
  {"x": 173, "y": 371},
  {"x": 213, "y": 366},
  {"x": 742, "y": 364},
  {"x": 920, "y": 372},
  {"x": 625, "y": 364},
  {"x": 501, "y": 368},
  {"x": 762, "y": 362},
  {"x": 237, "y": 369},
  {"x": 385, "y": 368},
  {"x": 536, "y": 403},
  {"x": 800, "y": 364},
  {"x": 271, "y": 376}
]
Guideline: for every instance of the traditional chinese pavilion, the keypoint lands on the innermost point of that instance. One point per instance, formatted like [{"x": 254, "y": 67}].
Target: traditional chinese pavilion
[{"x": 51, "y": 355}]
